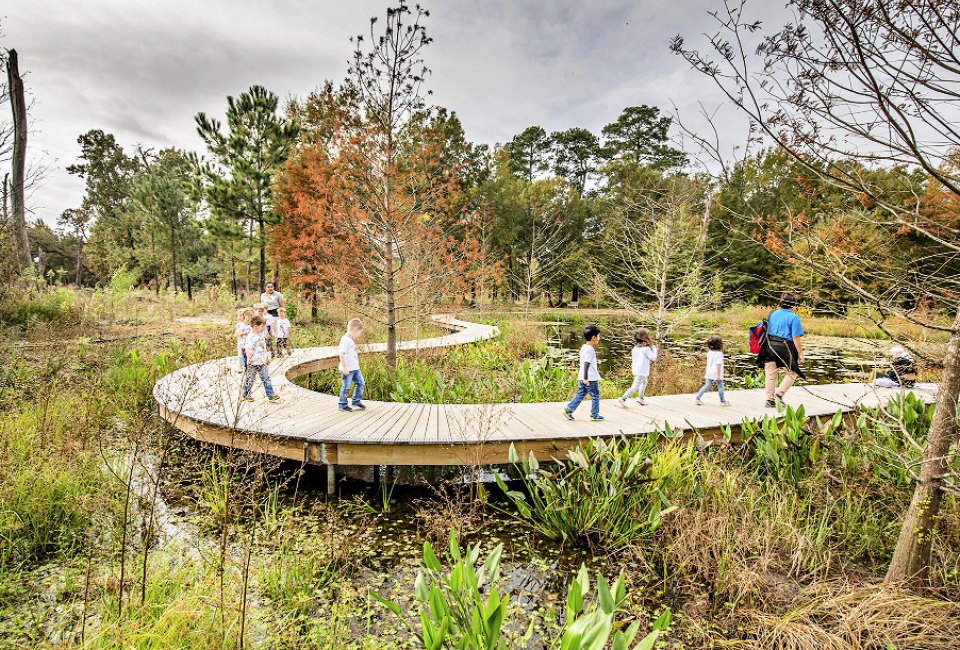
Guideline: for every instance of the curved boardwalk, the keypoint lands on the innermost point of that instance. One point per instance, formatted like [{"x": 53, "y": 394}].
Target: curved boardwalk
[{"x": 203, "y": 400}]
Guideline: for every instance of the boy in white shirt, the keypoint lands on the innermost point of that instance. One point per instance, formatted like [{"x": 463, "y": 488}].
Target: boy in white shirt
[
  {"x": 714, "y": 373},
  {"x": 257, "y": 359},
  {"x": 643, "y": 353},
  {"x": 282, "y": 325},
  {"x": 350, "y": 366},
  {"x": 240, "y": 333},
  {"x": 588, "y": 379}
]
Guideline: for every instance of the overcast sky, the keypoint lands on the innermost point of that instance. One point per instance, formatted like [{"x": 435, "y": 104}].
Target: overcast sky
[{"x": 142, "y": 70}]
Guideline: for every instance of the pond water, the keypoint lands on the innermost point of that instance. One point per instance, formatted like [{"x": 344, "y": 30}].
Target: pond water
[{"x": 828, "y": 359}]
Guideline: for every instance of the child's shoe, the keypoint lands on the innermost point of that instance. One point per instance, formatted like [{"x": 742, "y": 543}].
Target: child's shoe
[
  {"x": 362, "y": 407},
  {"x": 274, "y": 398},
  {"x": 698, "y": 401},
  {"x": 347, "y": 409},
  {"x": 567, "y": 413},
  {"x": 596, "y": 418},
  {"x": 622, "y": 403},
  {"x": 641, "y": 401},
  {"x": 724, "y": 403},
  {"x": 770, "y": 404},
  {"x": 247, "y": 399},
  {"x": 778, "y": 398}
]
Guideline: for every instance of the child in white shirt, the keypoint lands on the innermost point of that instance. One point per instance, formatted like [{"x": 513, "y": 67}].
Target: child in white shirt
[
  {"x": 588, "y": 379},
  {"x": 282, "y": 325},
  {"x": 350, "y": 366},
  {"x": 257, "y": 359},
  {"x": 714, "y": 373},
  {"x": 642, "y": 354},
  {"x": 240, "y": 333}
]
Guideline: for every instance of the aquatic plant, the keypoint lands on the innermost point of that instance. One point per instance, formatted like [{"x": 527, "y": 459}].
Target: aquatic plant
[
  {"x": 608, "y": 493},
  {"x": 463, "y": 608}
]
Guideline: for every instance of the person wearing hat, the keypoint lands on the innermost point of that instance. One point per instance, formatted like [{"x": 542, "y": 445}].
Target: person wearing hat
[
  {"x": 784, "y": 349},
  {"x": 903, "y": 371}
]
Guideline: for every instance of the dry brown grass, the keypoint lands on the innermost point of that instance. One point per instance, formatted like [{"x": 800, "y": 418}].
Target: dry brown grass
[
  {"x": 837, "y": 616},
  {"x": 453, "y": 508}
]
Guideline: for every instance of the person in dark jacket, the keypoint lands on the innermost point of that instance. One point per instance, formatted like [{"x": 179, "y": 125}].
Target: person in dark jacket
[
  {"x": 903, "y": 370},
  {"x": 783, "y": 349}
]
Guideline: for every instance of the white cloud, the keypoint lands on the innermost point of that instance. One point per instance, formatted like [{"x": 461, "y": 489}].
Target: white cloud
[{"x": 142, "y": 70}]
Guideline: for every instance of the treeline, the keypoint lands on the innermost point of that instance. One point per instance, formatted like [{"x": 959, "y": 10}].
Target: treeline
[{"x": 350, "y": 190}]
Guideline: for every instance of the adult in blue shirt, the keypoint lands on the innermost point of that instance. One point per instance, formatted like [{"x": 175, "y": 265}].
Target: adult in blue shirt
[{"x": 784, "y": 349}]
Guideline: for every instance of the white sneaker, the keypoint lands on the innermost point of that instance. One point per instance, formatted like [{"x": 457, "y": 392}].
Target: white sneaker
[
  {"x": 622, "y": 403},
  {"x": 640, "y": 401},
  {"x": 724, "y": 403},
  {"x": 698, "y": 402}
]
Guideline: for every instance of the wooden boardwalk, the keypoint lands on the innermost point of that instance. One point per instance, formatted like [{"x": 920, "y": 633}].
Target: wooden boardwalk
[{"x": 203, "y": 400}]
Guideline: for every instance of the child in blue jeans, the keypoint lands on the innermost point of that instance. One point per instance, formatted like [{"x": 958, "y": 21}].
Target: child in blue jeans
[
  {"x": 714, "y": 373},
  {"x": 255, "y": 348},
  {"x": 588, "y": 377}
]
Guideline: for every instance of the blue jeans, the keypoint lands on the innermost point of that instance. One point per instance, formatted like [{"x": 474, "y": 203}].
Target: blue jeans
[
  {"x": 582, "y": 389},
  {"x": 354, "y": 377},
  {"x": 708, "y": 384},
  {"x": 242, "y": 359},
  {"x": 252, "y": 372}
]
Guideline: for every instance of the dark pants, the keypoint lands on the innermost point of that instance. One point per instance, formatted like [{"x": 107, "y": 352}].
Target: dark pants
[
  {"x": 274, "y": 312},
  {"x": 593, "y": 389}
]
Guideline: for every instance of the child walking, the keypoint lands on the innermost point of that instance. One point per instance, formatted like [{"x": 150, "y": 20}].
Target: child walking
[
  {"x": 714, "y": 373},
  {"x": 350, "y": 366},
  {"x": 642, "y": 354},
  {"x": 588, "y": 377},
  {"x": 257, "y": 359},
  {"x": 283, "y": 332},
  {"x": 240, "y": 333}
]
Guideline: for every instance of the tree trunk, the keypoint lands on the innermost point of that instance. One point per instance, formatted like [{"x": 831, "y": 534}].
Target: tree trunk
[
  {"x": 233, "y": 276},
  {"x": 189, "y": 288},
  {"x": 173, "y": 258},
  {"x": 575, "y": 296},
  {"x": 18, "y": 105},
  {"x": 911, "y": 557},
  {"x": 79, "y": 263},
  {"x": 263, "y": 256}
]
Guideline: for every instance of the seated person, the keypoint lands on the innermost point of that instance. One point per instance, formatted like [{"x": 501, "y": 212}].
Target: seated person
[{"x": 903, "y": 371}]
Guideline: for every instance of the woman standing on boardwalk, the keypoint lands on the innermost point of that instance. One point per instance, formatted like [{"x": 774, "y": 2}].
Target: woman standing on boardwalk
[{"x": 783, "y": 349}]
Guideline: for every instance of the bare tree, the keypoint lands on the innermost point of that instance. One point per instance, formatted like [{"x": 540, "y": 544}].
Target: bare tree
[
  {"x": 852, "y": 86},
  {"x": 656, "y": 243},
  {"x": 18, "y": 105}
]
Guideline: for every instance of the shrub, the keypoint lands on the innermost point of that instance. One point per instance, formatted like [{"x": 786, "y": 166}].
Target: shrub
[
  {"x": 786, "y": 450},
  {"x": 607, "y": 494},
  {"x": 56, "y": 306}
]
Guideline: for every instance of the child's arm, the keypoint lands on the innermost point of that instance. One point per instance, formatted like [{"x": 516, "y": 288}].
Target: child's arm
[
  {"x": 343, "y": 363},
  {"x": 652, "y": 354}
]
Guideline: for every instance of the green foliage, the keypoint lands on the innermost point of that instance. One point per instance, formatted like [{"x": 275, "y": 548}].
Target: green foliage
[
  {"x": 123, "y": 281},
  {"x": 463, "y": 608},
  {"x": 50, "y": 490},
  {"x": 896, "y": 435},
  {"x": 786, "y": 450},
  {"x": 53, "y": 306},
  {"x": 608, "y": 493}
]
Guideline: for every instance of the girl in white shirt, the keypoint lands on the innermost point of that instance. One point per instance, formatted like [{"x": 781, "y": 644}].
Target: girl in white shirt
[
  {"x": 714, "y": 373},
  {"x": 643, "y": 353}
]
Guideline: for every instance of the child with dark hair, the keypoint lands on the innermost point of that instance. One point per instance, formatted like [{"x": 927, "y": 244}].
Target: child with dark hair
[
  {"x": 714, "y": 373},
  {"x": 642, "y": 354},
  {"x": 588, "y": 377}
]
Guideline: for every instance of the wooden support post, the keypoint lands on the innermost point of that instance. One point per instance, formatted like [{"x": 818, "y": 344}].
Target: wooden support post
[
  {"x": 331, "y": 480},
  {"x": 376, "y": 479}
]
